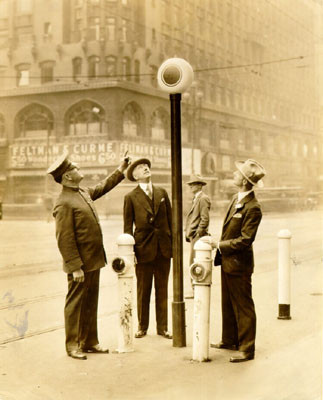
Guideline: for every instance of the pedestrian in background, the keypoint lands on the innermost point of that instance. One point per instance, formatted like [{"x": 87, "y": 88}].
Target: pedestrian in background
[
  {"x": 198, "y": 218},
  {"x": 235, "y": 255},
  {"x": 147, "y": 217},
  {"x": 80, "y": 242}
]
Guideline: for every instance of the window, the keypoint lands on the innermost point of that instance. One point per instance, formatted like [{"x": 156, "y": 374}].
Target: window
[
  {"x": 47, "y": 28},
  {"x": 22, "y": 75},
  {"x": 93, "y": 67},
  {"x": 24, "y": 6},
  {"x": 47, "y": 72},
  {"x": 137, "y": 71},
  {"x": 132, "y": 120},
  {"x": 94, "y": 31},
  {"x": 124, "y": 31},
  {"x": 126, "y": 69},
  {"x": 86, "y": 118},
  {"x": 2, "y": 127},
  {"x": 153, "y": 77},
  {"x": 224, "y": 139},
  {"x": 35, "y": 121},
  {"x": 226, "y": 163},
  {"x": 77, "y": 68},
  {"x": 111, "y": 28},
  {"x": 111, "y": 66},
  {"x": 159, "y": 125}
]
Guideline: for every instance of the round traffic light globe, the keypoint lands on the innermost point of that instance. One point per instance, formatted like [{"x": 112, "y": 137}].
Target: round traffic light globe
[{"x": 175, "y": 75}]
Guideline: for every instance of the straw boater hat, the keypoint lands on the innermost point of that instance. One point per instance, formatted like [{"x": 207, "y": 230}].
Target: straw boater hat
[
  {"x": 196, "y": 179},
  {"x": 252, "y": 171},
  {"x": 59, "y": 166},
  {"x": 133, "y": 166}
]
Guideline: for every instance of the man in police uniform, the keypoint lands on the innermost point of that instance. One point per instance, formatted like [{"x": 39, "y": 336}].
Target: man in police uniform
[
  {"x": 148, "y": 209},
  {"x": 80, "y": 242},
  {"x": 235, "y": 255}
]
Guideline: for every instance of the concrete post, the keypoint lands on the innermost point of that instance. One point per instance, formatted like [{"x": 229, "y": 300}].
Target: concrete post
[
  {"x": 123, "y": 265},
  {"x": 284, "y": 238},
  {"x": 201, "y": 273}
]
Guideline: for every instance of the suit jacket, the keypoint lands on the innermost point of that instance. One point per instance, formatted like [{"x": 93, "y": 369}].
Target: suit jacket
[
  {"x": 152, "y": 220},
  {"x": 78, "y": 231},
  {"x": 197, "y": 220},
  {"x": 238, "y": 233}
]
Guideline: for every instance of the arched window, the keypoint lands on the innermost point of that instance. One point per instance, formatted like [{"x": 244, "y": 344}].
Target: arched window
[
  {"x": 111, "y": 66},
  {"x": 2, "y": 128},
  {"x": 93, "y": 67},
  {"x": 22, "y": 77},
  {"x": 132, "y": 120},
  {"x": 160, "y": 125},
  {"x": 47, "y": 71},
  {"x": 86, "y": 118},
  {"x": 34, "y": 121}
]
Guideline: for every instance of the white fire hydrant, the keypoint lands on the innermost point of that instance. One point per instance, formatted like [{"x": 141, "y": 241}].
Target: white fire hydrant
[
  {"x": 284, "y": 257},
  {"x": 201, "y": 273},
  {"x": 123, "y": 265}
]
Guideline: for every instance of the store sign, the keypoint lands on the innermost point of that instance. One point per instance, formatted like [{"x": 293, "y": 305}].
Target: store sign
[{"x": 102, "y": 154}]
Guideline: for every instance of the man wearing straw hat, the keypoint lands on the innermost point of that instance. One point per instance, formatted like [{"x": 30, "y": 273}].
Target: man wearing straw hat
[
  {"x": 197, "y": 219},
  {"x": 235, "y": 255}
]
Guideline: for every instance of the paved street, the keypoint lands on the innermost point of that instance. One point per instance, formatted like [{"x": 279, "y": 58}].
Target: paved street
[{"x": 288, "y": 363}]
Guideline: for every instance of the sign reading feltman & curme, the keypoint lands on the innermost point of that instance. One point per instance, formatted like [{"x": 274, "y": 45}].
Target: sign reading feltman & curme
[{"x": 87, "y": 154}]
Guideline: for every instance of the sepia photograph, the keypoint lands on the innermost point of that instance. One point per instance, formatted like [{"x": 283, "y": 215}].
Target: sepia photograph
[{"x": 161, "y": 199}]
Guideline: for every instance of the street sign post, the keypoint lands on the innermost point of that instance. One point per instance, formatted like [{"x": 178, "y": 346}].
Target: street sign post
[{"x": 175, "y": 75}]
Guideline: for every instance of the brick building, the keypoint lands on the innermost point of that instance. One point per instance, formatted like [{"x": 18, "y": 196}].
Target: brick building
[{"x": 81, "y": 75}]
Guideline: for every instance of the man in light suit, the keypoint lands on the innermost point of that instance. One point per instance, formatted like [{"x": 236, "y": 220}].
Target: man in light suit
[
  {"x": 80, "y": 242},
  {"x": 147, "y": 217},
  {"x": 235, "y": 255},
  {"x": 197, "y": 220}
]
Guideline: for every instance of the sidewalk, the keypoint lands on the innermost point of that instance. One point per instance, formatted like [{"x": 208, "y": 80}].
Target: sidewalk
[{"x": 288, "y": 363}]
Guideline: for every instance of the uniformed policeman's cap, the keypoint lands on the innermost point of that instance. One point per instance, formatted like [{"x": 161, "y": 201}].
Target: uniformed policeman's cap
[{"x": 59, "y": 166}]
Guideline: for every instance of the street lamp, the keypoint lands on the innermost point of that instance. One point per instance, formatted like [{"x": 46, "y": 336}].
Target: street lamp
[
  {"x": 174, "y": 76},
  {"x": 193, "y": 98}
]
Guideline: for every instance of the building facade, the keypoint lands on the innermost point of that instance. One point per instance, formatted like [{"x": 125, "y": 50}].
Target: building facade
[{"x": 80, "y": 75}]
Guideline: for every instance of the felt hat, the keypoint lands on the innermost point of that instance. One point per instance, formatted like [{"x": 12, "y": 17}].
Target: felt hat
[
  {"x": 133, "y": 165},
  {"x": 196, "y": 179}
]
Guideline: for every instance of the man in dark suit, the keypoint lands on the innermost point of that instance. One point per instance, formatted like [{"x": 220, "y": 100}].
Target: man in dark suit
[
  {"x": 80, "y": 242},
  {"x": 197, "y": 219},
  {"x": 235, "y": 255},
  {"x": 147, "y": 209}
]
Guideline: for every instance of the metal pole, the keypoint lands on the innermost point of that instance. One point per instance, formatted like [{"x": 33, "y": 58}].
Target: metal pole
[
  {"x": 178, "y": 305},
  {"x": 284, "y": 238}
]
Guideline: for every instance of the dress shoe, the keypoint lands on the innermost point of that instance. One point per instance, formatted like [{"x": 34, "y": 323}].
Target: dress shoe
[
  {"x": 165, "y": 334},
  {"x": 242, "y": 356},
  {"x": 222, "y": 345},
  {"x": 77, "y": 354},
  {"x": 96, "y": 349},
  {"x": 140, "y": 334}
]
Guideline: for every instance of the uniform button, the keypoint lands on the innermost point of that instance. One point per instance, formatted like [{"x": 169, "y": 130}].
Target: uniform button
[{"x": 151, "y": 220}]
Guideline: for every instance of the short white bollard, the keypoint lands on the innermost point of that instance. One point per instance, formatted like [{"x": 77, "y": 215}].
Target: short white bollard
[
  {"x": 284, "y": 257},
  {"x": 201, "y": 273},
  {"x": 123, "y": 265}
]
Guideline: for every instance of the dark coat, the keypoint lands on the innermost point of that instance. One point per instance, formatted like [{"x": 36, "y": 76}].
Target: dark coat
[
  {"x": 197, "y": 220},
  {"x": 152, "y": 221},
  {"x": 238, "y": 233},
  {"x": 78, "y": 231}
]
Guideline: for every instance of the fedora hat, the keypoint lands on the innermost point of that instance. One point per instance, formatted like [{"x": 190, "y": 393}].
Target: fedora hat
[
  {"x": 252, "y": 171},
  {"x": 59, "y": 166},
  {"x": 133, "y": 166},
  {"x": 196, "y": 179}
]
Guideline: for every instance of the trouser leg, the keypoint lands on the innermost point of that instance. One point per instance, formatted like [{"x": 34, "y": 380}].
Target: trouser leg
[
  {"x": 229, "y": 324},
  {"x": 161, "y": 274},
  {"x": 244, "y": 309},
  {"x": 89, "y": 311},
  {"x": 144, "y": 274}
]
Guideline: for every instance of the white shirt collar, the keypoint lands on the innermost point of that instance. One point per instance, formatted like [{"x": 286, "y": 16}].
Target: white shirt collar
[
  {"x": 145, "y": 185},
  {"x": 241, "y": 195},
  {"x": 197, "y": 194}
]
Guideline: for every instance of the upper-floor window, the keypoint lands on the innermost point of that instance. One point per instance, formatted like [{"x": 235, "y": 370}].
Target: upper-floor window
[
  {"x": 94, "y": 28},
  {"x": 47, "y": 71},
  {"x": 132, "y": 120},
  {"x": 93, "y": 67},
  {"x": 137, "y": 71},
  {"x": 2, "y": 127},
  {"x": 126, "y": 69},
  {"x": 22, "y": 78},
  {"x": 4, "y": 8},
  {"x": 159, "y": 125},
  {"x": 24, "y": 6},
  {"x": 111, "y": 28},
  {"x": 111, "y": 66},
  {"x": 124, "y": 30},
  {"x": 77, "y": 68},
  {"x": 153, "y": 76}
]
